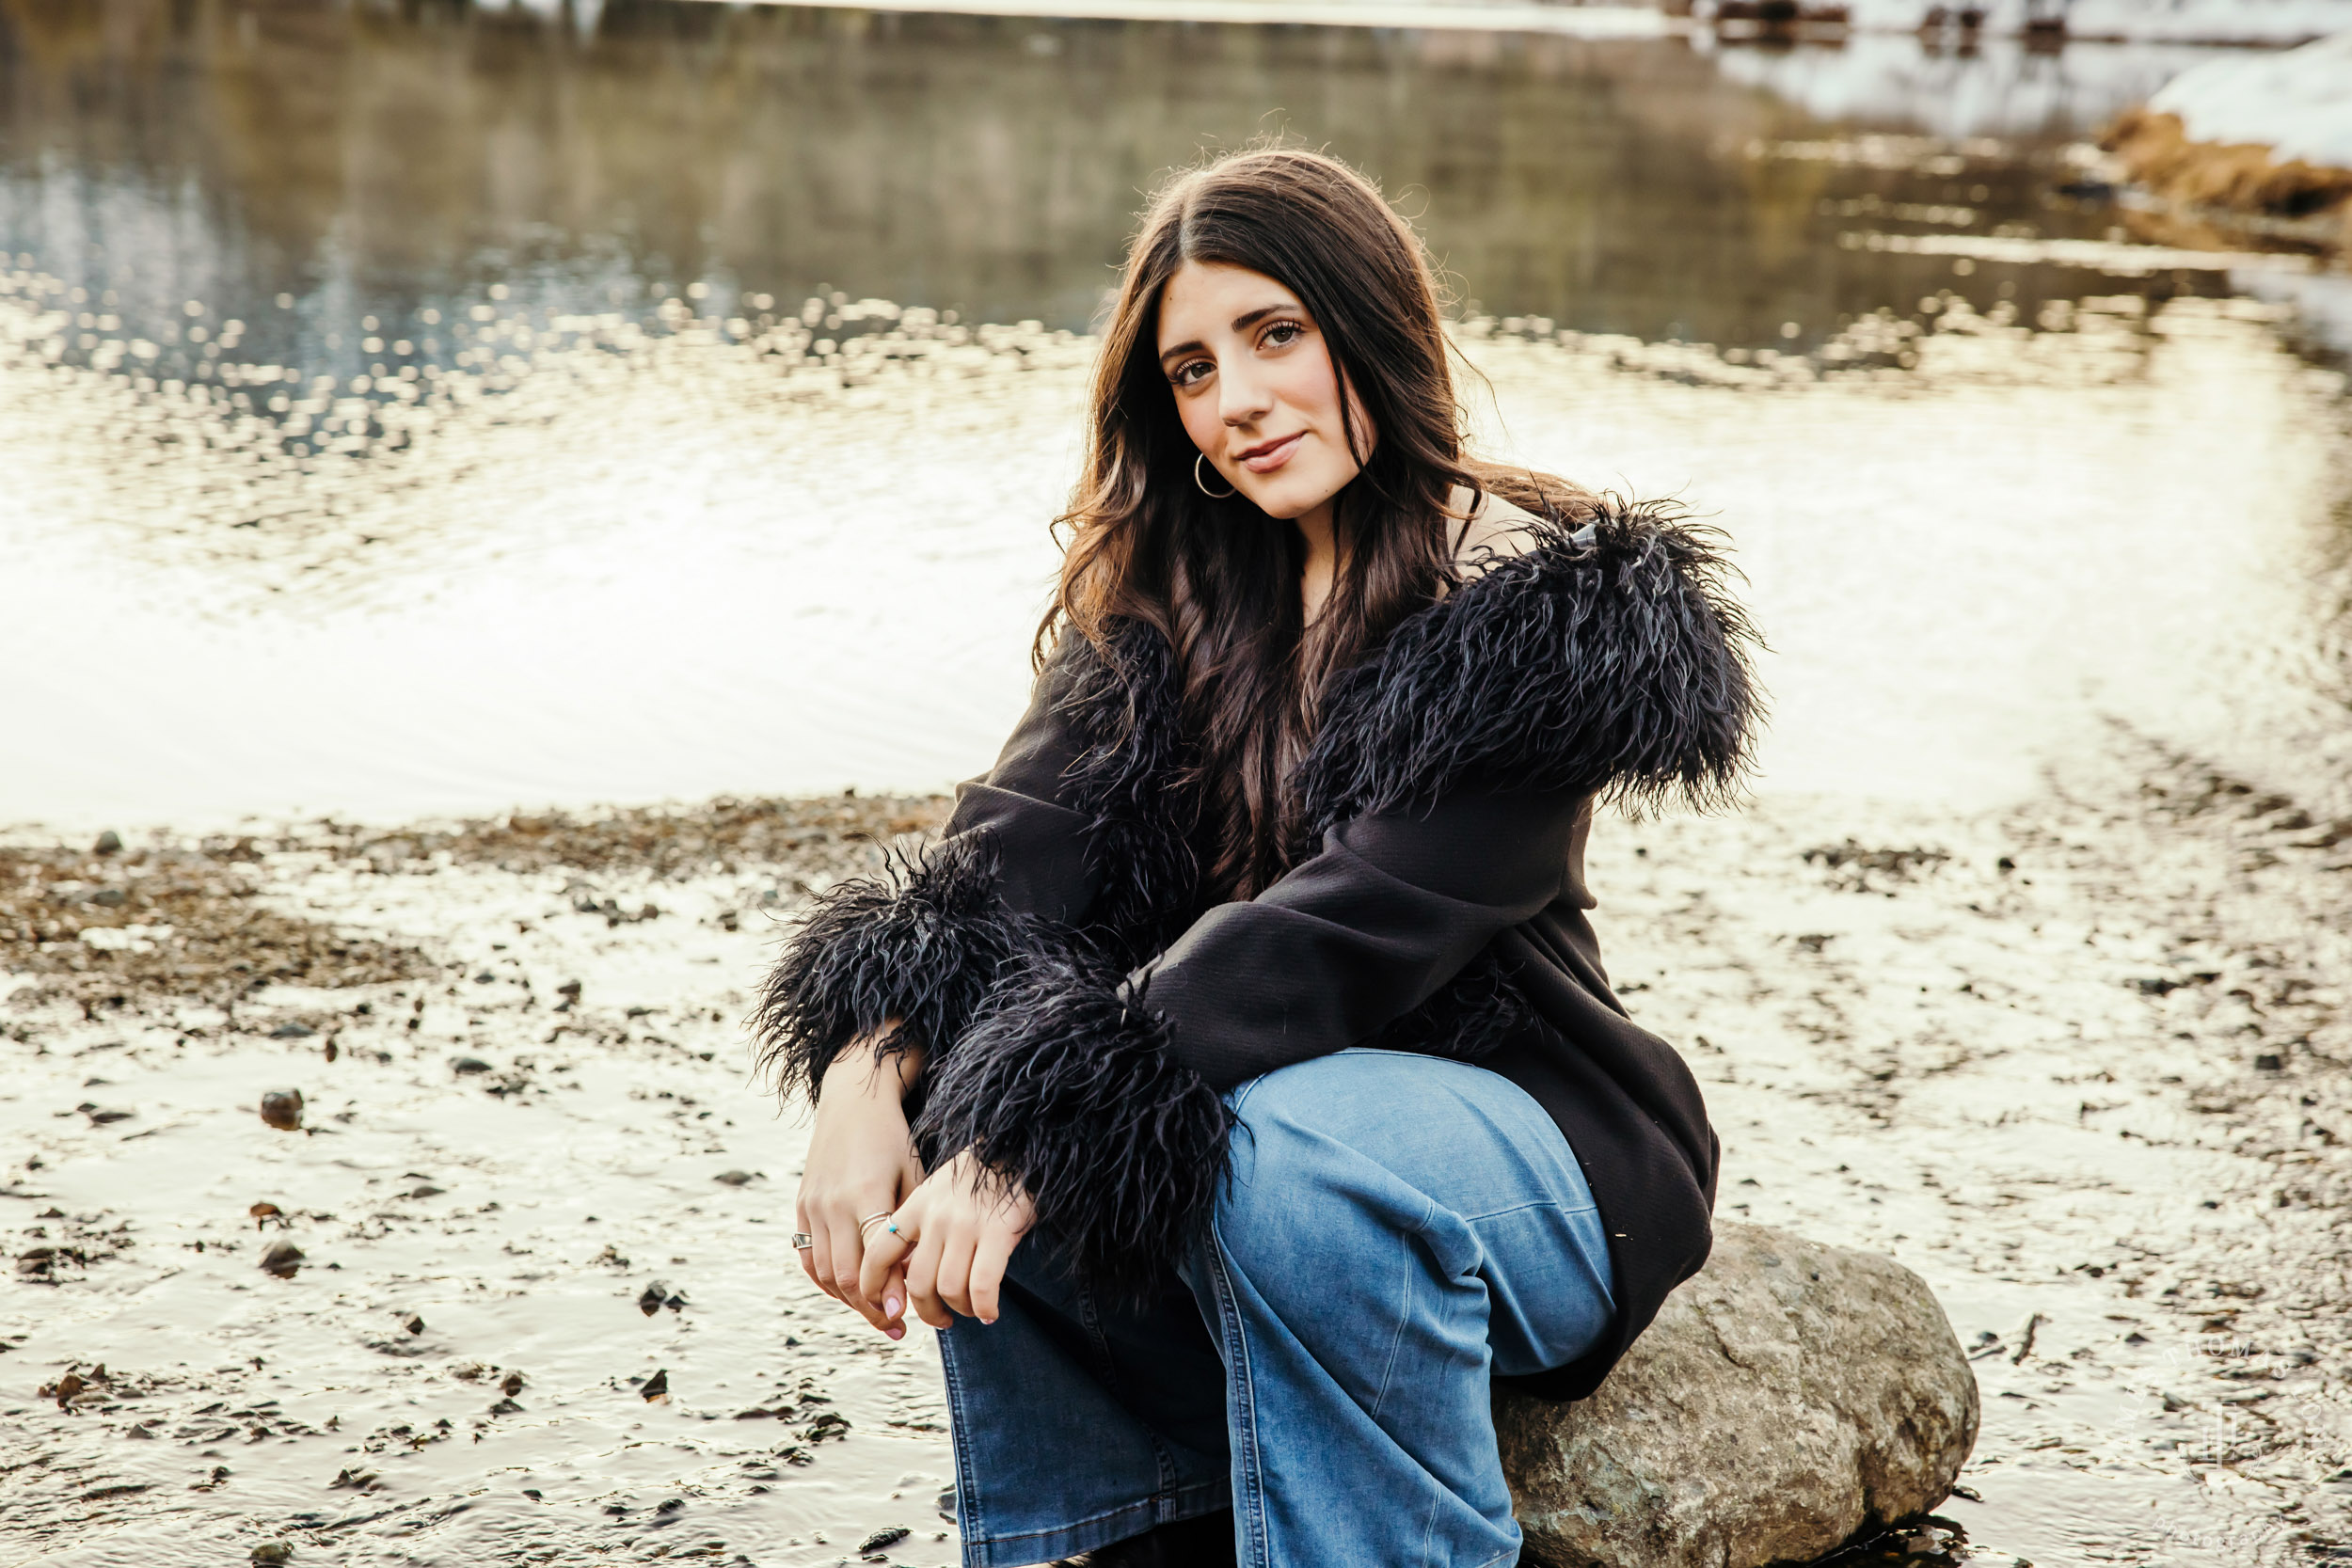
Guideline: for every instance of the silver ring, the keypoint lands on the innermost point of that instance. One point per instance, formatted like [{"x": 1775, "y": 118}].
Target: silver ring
[
  {"x": 803, "y": 1241},
  {"x": 871, "y": 1218}
]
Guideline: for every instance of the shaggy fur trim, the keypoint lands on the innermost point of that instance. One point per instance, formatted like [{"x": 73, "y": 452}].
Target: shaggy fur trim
[
  {"x": 1073, "y": 1094},
  {"x": 922, "y": 943},
  {"x": 1123, "y": 698},
  {"x": 1609, "y": 659}
]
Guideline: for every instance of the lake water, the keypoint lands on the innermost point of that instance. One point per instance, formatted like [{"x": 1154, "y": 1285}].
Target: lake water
[{"x": 434, "y": 409}]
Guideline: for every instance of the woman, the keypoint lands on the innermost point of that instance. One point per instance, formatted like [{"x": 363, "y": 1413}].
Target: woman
[{"x": 1237, "y": 1083}]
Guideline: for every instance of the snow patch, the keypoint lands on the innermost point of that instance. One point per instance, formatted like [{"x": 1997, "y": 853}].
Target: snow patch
[{"x": 2297, "y": 103}]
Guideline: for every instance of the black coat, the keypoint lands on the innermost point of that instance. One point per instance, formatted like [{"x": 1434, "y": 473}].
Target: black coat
[{"x": 1081, "y": 1006}]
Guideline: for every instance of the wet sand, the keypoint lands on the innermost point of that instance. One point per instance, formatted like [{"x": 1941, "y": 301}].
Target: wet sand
[{"x": 2079, "y": 1062}]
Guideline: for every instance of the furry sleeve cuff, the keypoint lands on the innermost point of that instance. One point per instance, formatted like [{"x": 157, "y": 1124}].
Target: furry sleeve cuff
[
  {"x": 922, "y": 943},
  {"x": 1072, "y": 1093}
]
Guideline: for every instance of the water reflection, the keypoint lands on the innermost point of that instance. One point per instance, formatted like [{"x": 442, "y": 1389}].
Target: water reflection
[
  {"x": 363, "y": 161},
  {"x": 461, "y": 406}
]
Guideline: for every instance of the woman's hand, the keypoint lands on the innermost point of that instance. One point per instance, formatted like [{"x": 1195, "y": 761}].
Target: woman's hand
[
  {"x": 861, "y": 1167},
  {"x": 954, "y": 1237}
]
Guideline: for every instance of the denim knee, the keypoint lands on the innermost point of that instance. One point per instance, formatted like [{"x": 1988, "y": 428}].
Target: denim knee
[{"x": 1301, "y": 1189}]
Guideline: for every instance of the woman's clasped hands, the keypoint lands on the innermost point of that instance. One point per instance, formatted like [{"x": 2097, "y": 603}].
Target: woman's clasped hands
[{"x": 882, "y": 1235}]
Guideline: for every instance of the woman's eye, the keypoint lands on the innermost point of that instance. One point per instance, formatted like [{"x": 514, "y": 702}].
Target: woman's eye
[
  {"x": 1186, "y": 375},
  {"x": 1283, "y": 332}
]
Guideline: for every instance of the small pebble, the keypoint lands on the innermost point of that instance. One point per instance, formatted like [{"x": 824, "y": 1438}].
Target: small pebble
[
  {"x": 283, "y": 1259},
  {"x": 282, "y": 1109}
]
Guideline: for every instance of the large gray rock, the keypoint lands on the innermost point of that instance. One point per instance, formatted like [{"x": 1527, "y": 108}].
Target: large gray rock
[{"x": 1787, "y": 1396}]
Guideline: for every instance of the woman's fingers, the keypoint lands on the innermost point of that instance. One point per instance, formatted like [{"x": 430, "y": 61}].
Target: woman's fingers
[
  {"x": 955, "y": 1269},
  {"x": 989, "y": 1260},
  {"x": 845, "y": 1254},
  {"x": 818, "y": 1257},
  {"x": 884, "y": 1258},
  {"x": 923, "y": 1280},
  {"x": 841, "y": 1260},
  {"x": 807, "y": 1255}
]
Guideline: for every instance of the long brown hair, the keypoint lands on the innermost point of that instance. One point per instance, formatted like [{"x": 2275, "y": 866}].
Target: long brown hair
[{"x": 1217, "y": 577}]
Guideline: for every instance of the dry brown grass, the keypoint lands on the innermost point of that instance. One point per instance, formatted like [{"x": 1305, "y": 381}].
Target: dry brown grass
[{"x": 2156, "y": 151}]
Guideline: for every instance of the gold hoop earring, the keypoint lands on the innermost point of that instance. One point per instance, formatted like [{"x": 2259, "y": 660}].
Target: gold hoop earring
[{"x": 1226, "y": 494}]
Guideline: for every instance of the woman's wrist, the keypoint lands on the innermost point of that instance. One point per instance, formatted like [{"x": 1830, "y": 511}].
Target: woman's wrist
[{"x": 863, "y": 1070}]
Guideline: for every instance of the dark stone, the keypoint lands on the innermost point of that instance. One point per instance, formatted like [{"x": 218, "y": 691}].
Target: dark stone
[
  {"x": 282, "y": 1109},
  {"x": 466, "y": 1065},
  {"x": 283, "y": 1259}
]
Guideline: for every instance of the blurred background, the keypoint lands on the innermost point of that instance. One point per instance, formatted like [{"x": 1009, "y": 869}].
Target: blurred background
[{"x": 426, "y": 407}]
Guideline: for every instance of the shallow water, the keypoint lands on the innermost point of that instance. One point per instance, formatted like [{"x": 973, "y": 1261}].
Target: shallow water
[
  {"x": 672, "y": 448},
  {"x": 662, "y": 454}
]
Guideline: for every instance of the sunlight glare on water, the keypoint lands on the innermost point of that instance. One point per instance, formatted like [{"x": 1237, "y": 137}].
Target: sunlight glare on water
[{"x": 673, "y": 566}]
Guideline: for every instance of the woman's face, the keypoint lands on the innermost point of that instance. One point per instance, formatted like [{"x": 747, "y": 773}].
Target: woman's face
[{"x": 1256, "y": 387}]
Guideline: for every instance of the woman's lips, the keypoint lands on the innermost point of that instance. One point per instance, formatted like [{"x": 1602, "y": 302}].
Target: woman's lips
[{"x": 1266, "y": 459}]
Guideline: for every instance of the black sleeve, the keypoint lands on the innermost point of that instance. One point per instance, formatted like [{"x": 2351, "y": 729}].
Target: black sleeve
[
  {"x": 1098, "y": 1093},
  {"x": 1369, "y": 928},
  {"x": 927, "y": 939}
]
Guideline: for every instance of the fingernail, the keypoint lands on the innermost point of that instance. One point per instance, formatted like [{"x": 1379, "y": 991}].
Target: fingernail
[
  {"x": 890, "y": 1307},
  {"x": 896, "y": 1332},
  {"x": 985, "y": 1321}
]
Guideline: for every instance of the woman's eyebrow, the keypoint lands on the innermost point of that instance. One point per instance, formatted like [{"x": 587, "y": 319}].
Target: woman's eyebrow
[{"x": 1241, "y": 323}]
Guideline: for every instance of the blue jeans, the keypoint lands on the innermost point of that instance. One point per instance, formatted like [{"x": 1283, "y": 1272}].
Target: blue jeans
[{"x": 1399, "y": 1228}]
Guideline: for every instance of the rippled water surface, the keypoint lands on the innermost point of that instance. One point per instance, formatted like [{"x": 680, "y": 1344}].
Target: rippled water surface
[
  {"x": 420, "y": 409},
  {"x": 430, "y": 409}
]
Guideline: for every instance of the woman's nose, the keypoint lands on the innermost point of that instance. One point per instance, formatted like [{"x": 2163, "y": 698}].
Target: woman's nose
[{"x": 1243, "y": 397}]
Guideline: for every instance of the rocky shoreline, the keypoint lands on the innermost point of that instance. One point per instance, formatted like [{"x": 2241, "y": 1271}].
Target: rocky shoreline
[
  {"x": 2259, "y": 144},
  {"x": 2081, "y": 1065}
]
